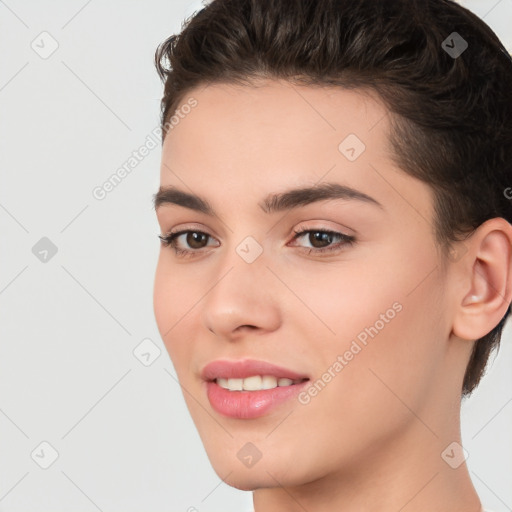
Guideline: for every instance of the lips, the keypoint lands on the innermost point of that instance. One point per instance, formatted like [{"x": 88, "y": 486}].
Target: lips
[{"x": 226, "y": 369}]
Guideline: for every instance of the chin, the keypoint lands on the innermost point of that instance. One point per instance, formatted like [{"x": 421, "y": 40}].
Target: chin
[
  {"x": 247, "y": 483},
  {"x": 250, "y": 479},
  {"x": 266, "y": 473}
]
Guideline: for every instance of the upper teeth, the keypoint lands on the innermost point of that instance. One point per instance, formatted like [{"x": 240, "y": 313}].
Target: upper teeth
[{"x": 255, "y": 383}]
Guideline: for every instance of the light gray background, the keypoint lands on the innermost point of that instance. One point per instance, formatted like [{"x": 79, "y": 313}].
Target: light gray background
[{"x": 69, "y": 326}]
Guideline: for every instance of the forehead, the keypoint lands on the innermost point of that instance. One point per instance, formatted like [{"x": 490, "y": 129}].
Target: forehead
[
  {"x": 251, "y": 140},
  {"x": 272, "y": 123},
  {"x": 275, "y": 114}
]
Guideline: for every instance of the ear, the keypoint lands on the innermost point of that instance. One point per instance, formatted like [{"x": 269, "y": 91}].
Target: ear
[{"x": 485, "y": 280}]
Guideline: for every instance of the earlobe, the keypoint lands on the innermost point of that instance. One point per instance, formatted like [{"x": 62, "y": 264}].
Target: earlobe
[{"x": 487, "y": 269}]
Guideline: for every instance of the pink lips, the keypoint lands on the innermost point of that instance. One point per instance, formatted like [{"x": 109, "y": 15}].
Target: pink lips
[
  {"x": 248, "y": 404},
  {"x": 246, "y": 368}
]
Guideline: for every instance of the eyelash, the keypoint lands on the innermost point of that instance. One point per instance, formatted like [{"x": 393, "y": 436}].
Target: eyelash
[{"x": 170, "y": 240}]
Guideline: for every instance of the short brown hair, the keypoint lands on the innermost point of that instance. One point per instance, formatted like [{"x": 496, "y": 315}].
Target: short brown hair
[{"x": 451, "y": 114}]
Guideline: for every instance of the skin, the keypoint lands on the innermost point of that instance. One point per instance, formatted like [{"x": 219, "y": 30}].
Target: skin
[{"x": 372, "y": 439}]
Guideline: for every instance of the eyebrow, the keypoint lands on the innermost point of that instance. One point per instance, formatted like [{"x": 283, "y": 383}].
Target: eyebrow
[{"x": 279, "y": 202}]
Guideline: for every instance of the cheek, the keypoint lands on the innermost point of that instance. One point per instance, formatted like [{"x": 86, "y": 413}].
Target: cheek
[
  {"x": 384, "y": 315},
  {"x": 400, "y": 331},
  {"x": 338, "y": 301},
  {"x": 173, "y": 300},
  {"x": 163, "y": 298}
]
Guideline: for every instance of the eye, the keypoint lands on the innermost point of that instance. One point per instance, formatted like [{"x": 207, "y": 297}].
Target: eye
[
  {"x": 321, "y": 240},
  {"x": 194, "y": 239}
]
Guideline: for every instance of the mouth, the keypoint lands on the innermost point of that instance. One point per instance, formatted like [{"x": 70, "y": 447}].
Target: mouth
[
  {"x": 250, "y": 370},
  {"x": 256, "y": 382},
  {"x": 249, "y": 389},
  {"x": 246, "y": 405}
]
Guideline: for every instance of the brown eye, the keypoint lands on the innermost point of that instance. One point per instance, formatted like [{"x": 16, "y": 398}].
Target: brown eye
[
  {"x": 320, "y": 239},
  {"x": 194, "y": 241},
  {"x": 195, "y": 238}
]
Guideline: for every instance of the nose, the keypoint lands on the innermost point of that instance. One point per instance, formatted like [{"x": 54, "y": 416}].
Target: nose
[{"x": 244, "y": 297}]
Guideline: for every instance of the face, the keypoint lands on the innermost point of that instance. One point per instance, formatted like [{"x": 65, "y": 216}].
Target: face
[{"x": 354, "y": 304}]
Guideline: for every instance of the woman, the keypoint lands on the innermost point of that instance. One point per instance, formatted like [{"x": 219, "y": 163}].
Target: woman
[{"x": 336, "y": 244}]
